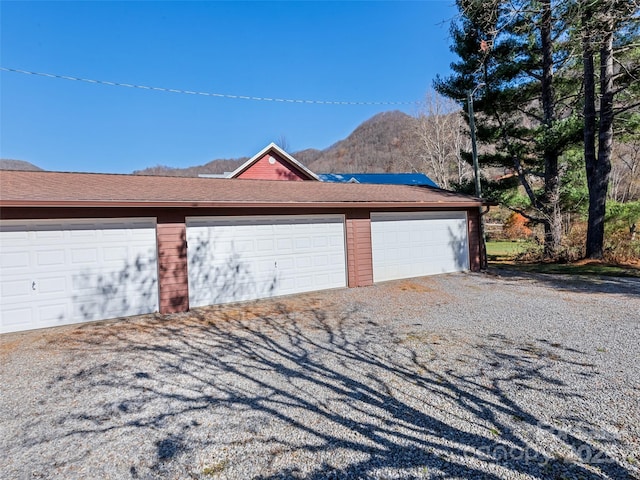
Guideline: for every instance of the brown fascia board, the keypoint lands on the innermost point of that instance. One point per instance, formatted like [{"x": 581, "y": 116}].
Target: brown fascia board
[{"x": 187, "y": 204}]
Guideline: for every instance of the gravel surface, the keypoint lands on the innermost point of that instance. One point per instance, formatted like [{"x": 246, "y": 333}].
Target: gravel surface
[{"x": 495, "y": 375}]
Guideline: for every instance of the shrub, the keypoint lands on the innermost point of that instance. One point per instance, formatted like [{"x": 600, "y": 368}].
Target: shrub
[
  {"x": 622, "y": 243},
  {"x": 517, "y": 227},
  {"x": 619, "y": 248},
  {"x": 574, "y": 242}
]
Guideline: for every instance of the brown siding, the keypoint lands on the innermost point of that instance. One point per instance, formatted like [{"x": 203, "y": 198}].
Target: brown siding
[
  {"x": 177, "y": 214},
  {"x": 172, "y": 267},
  {"x": 359, "y": 257},
  {"x": 473, "y": 224}
]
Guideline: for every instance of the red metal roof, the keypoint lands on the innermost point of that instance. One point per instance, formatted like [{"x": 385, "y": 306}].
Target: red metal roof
[{"x": 29, "y": 188}]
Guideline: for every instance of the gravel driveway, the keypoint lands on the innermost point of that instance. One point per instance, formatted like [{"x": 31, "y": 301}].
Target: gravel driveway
[{"x": 496, "y": 375}]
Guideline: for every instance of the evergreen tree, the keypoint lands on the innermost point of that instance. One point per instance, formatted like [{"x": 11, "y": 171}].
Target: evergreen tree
[
  {"x": 526, "y": 106},
  {"x": 610, "y": 36}
]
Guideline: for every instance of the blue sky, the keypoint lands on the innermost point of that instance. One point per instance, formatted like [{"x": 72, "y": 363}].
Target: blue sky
[{"x": 326, "y": 51}]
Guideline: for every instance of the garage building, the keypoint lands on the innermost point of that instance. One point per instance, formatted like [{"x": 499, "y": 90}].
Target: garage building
[{"x": 77, "y": 247}]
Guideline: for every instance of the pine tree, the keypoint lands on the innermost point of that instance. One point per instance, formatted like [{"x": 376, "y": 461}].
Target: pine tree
[
  {"x": 610, "y": 36},
  {"x": 526, "y": 106}
]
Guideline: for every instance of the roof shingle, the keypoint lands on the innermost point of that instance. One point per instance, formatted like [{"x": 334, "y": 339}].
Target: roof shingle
[{"x": 23, "y": 188}]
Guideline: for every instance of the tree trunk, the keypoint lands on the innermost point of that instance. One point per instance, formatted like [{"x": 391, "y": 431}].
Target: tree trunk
[
  {"x": 589, "y": 132},
  {"x": 551, "y": 200},
  {"x": 599, "y": 169}
]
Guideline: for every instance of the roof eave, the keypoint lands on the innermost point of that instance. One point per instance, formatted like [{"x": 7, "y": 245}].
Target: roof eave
[{"x": 231, "y": 204}]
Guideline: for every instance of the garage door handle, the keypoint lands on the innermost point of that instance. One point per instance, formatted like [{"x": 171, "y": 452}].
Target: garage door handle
[{"x": 33, "y": 286}]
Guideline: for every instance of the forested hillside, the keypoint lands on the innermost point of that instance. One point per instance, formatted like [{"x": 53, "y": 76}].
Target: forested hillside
[
  {"x": 214, "y": 166},
  {"x": 384, "y": 143}
]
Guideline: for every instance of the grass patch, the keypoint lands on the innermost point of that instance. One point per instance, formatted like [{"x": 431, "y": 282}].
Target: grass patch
[
  {"x": 498, "y": 251},
  {"x": 578, "y": 268},
  {"x": 216, "y": 468},
  {"x": 505, "y": 254},
  {"x": 414, "y": 287}
]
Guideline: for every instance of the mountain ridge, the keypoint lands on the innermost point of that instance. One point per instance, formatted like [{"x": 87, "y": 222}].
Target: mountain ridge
[
  {"x": 382, "y": 143},
  {"x": 10, "y": 164}
]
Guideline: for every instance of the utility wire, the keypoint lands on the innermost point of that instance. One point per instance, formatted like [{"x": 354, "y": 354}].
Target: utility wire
[{"x": 205, "y": 94}]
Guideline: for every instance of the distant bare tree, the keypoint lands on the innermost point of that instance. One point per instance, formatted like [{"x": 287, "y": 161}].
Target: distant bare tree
[
  {"x": 625, "y": 172},
  {"x": 461, "y": 143},
  {"x": 282, "y": 143},
  {"x": 441, "y": 136}
]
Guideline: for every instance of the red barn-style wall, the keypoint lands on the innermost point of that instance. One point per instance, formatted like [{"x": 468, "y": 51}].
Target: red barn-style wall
[
  {"x": 273, "y": 163},
  {"x": 271, "y": 167}
]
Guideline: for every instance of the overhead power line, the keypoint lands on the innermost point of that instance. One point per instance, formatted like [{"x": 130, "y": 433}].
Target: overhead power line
[{"x": 205, "y": 94}]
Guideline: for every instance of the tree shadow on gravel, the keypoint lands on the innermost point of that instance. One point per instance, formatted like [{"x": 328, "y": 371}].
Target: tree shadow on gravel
[
  {"x": 628, "y": 286},
  {"x": 301, "y": 389}
]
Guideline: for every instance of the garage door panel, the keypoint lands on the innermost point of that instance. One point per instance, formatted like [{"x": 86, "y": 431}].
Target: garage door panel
[
  {"x": 285, "y": 245},
  {"x": 321, "y": 241},
  {"x": 265, "y": 245},
  {"x": 47, "y": 258},
  {"x": 407, "y": 245},
  {"x": 15, "y": 290},
  {"x": 336, "y": 241},
  {"x": 304, "y": 263},
  {"x": 52, "y": 314},
  {"x": 51, "y": 285},
  {"x": 113, "y": 302},
  {"x": 79, "y": 270},
  {"x": 114, "y": 254},
  {"x": 84, "y": 256},
  {"x": 287, "y": 284},
  {"x": 235, "y": 283},
  {"x": 16, "y": 259},
  {"x": 49, "y": 232},
  {"x": 14, "y": 318},
  {"x": 306, "y": 282},
  {"x": 303, "y": 243},
  {"x": 80, "y": 234},
  {"x": 242, "y": 258}
]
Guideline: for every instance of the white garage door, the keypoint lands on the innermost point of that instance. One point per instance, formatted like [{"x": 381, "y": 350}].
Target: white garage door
[
  {"x": 243, "y": 258},
  {"x": 409, "y": 245},
  {"x": 70, "y": 271}
]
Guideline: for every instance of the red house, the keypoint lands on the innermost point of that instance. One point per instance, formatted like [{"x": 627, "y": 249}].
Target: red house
[{"x": 273, "y": 163}]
